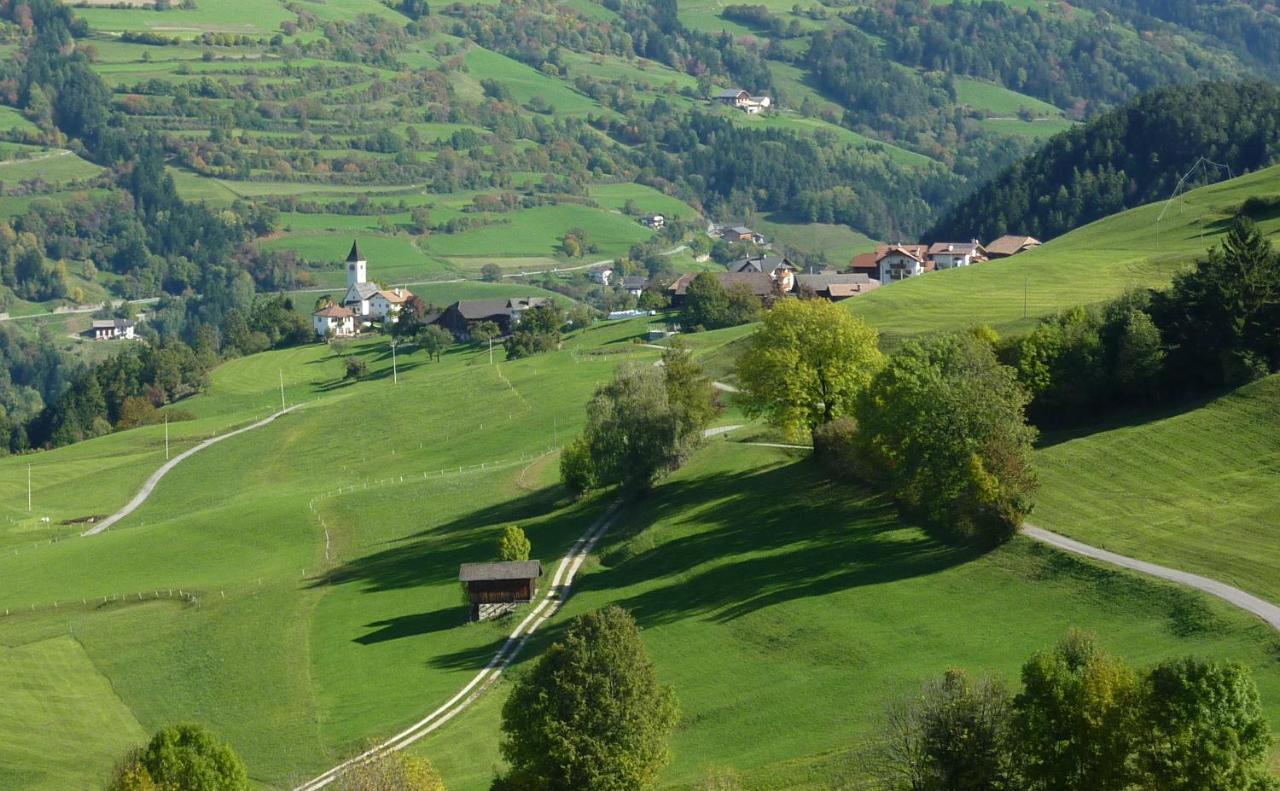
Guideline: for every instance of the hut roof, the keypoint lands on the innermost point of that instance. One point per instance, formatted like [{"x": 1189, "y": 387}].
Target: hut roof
[{"x": 509, "y": 570}]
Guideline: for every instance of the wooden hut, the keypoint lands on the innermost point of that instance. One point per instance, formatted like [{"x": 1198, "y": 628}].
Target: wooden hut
[{"x": 495, "y": 589}]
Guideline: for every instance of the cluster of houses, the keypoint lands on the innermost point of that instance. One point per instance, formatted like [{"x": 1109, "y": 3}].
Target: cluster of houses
[
  {"x": 893, "y": 262},
  {"x": 741, "y": 100},
  {"x": 771, "y": 276},
  {"x": 365, "y": 304}
]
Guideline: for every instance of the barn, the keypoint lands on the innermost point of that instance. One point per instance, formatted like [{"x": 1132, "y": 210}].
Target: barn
[{"x": 495, "y": 589}]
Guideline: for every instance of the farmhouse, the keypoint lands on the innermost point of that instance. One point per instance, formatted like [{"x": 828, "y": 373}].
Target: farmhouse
[
  {"x": 386, "y": 305},
  {"x": 634, "y": 284},
  {"x": 778, "y": 268},
  {"x": 948, "y": 255},
  {"x": 736, "y": 97},
  {"x": 760, "y": 284},
  {"x": 836, "y": 287},
  {"x": 461, "y": 316},
  {"x": 112, "y": 329},
  {"x": 902, "y": 261},
  {"x": 601, "y": 275},
  {"x": 654, "y": 221},
  {"x": 1007, "y": 246},
  {"x": 334, "y": 321},
  {"x": 494, "y": 589},
  {"x": 739, "y": 233}
]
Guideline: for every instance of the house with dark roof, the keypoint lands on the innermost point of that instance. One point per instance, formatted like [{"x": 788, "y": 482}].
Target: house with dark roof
[
  {"x": 112, "y": 329},
  {"x": 461, "y": 316},
  {"x": 759, "y": 284},
  {"x": 1009, "y": 245},
  {"x": 835, "y": 287},
  {"x": 740, "y": 233},
  {"x": 494, "y": 589}
]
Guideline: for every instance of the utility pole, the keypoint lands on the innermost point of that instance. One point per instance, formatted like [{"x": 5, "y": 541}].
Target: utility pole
[
  {"x": 1026, "y": 281},
  {"x": 395, "y": 376},
  {"x": 490, "y": 350},
  {"x": 555, "y": 432},
  {"x": 166, "y": 436},
  {"x": 28, "y": 487},
  {"x": 281, "y": 390}
]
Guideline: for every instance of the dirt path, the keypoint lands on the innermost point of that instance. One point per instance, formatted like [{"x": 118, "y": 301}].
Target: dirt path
[
  {"x": 150, "y": 485},
  {"x": 1245, "y": 601}
]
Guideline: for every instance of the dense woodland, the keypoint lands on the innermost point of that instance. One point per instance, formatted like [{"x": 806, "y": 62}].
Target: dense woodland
[{"x": 1126, "y": 157}]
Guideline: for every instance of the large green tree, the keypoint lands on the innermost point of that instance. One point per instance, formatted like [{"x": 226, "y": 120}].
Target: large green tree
[
  {"x": 186, "y": 757},
  {"x": 806, "y": 364},
  {"x": 1201, "y": 726},
  {"x": 1074, "y": 719},
  {"x": 943, "y": 426},
  {"x": 706, "y": 304},
  {"x": 591, "y": 715}
]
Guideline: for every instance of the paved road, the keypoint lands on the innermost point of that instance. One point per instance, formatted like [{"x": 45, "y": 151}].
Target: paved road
[
  {"x": 1245, "y": 601},
  {"x": 150, "y": 485}
]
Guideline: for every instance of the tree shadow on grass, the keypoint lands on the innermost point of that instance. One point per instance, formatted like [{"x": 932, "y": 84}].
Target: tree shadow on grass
[
  {"x": 755, "y": 539},
  {"x": 414, "y": 625},
  {"x": 431, "y": 556}
]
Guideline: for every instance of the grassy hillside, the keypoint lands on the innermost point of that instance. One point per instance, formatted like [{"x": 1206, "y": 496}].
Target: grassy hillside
[
  {"x": 1195, "y": 489},
  {"x": 1090, "y": 264},
  {"x": 321, "y": 552}
]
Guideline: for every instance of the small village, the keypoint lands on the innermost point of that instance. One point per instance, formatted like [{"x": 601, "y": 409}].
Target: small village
[{"x": 763, "y": 275}]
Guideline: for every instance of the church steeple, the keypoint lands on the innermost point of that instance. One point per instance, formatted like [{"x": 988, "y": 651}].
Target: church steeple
[{"x": 356, "y": 265}]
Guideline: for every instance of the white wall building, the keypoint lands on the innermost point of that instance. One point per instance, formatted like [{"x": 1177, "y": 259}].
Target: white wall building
[
  {"x": 949, "y": 255},
  {"x": 334, "y": 321}
]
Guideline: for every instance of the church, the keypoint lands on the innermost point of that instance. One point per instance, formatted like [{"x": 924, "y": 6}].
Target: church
[{"x": 363, "y": 303}]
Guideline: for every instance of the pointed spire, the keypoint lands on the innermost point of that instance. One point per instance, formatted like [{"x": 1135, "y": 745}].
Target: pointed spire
[{"x": 354, "y": 255}]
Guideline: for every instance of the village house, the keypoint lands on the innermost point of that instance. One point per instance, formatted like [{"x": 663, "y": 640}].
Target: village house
[
  {"x": 461, "y": 316},
  {"x": 654, "y": 221},
  {"x": 739, "y": 233},
  {"x": 601, "y": 275},
  {"x": 494, "y": 589},
  {"x": 634, "y": 284},
  {"x": 949, "y": 255},
  {"x": 740, "y": 99},
  {"x": 835, "y": 287},
  {"x": 334, "y": 321},
  {"x": 1008, "y": 245},
  {"x": 779, "y": 268},
  {"x": 902, "y": 261},
  {"x": 760, "y": 284},
  {"x": 112, "y": 329},
  {"x": 386, "y": 305}
]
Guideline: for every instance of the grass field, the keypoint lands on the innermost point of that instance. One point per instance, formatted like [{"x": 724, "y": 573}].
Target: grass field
[
  {"x": 839, "y": 243},
  {"x": 999, "y": 100},
  {"x": 1197, "y": 489},
  {"x": 311, "y": 554},
  {"x": 1090, "y": 264}
]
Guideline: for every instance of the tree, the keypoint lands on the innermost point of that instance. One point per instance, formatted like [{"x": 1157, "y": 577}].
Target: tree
[
  {"x": 943, "y": 426},
  {"x": 435, "y": 340},
  {"x": 806, "y": 364},
  {"x": 952, "y": 736},
  {"x": 356, "y": 368},
  {"x": 577, "y": 470},
  {"x": 706, "y": 304},
  {"x": 538, "y": 331},
  {"x": 485, "y": 331},
  {"x": 1074, "y": 718},
  {"x": 188, "y": 757},
  {"x": 743, "y": 305},
  {"x": 420, "y": 219},
  {"x": 690, "y": 394},
  {"x": 514, "y": 545},
  {"x": 590, "y": 715},
  {"x": 408, "y": 321},
  {"x": 491, "y": 273},
  {"x": 390, "y": 771},
  {"x": 631, "y": 434},
  {"x": 1201, "y": 726}
]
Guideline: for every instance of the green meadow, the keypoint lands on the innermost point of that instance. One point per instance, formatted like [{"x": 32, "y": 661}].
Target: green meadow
[
  {"x": 1090, "y": 264},
  {"x": 1196, "y": 488},
  {"x": 999, "y": 100},
  {"x": 294, "y": 586}
]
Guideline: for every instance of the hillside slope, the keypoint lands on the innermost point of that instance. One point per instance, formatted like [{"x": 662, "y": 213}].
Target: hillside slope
[
  {"x": 1138, "y": 248},
  {"x": 1197, "y": 489}
]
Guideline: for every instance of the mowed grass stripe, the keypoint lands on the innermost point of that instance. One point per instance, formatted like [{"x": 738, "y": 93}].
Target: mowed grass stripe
[{"x": 1198, "y": 490}]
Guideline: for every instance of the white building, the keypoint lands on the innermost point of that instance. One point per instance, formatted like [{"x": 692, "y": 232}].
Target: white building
[
  {"x": 902, "y": 261},
  {"x": 948, "y": 255},
  {"x": 601, "y": 275},
  {"x": 386, "y": 305},
  {"x": 334, "y": 321},
  {"x": 654, "y": 221},
  {"x": 112, "y": 329},
  {"x": 359, "y": 290}
]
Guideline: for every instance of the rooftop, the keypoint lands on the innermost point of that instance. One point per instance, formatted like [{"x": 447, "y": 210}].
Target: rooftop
[{"x": 509, "y": 570}]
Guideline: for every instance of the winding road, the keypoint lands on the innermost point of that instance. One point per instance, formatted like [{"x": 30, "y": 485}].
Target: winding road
[
  {"x": 1245, "y": 601},
  {"x": 150, "y": 485}
]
